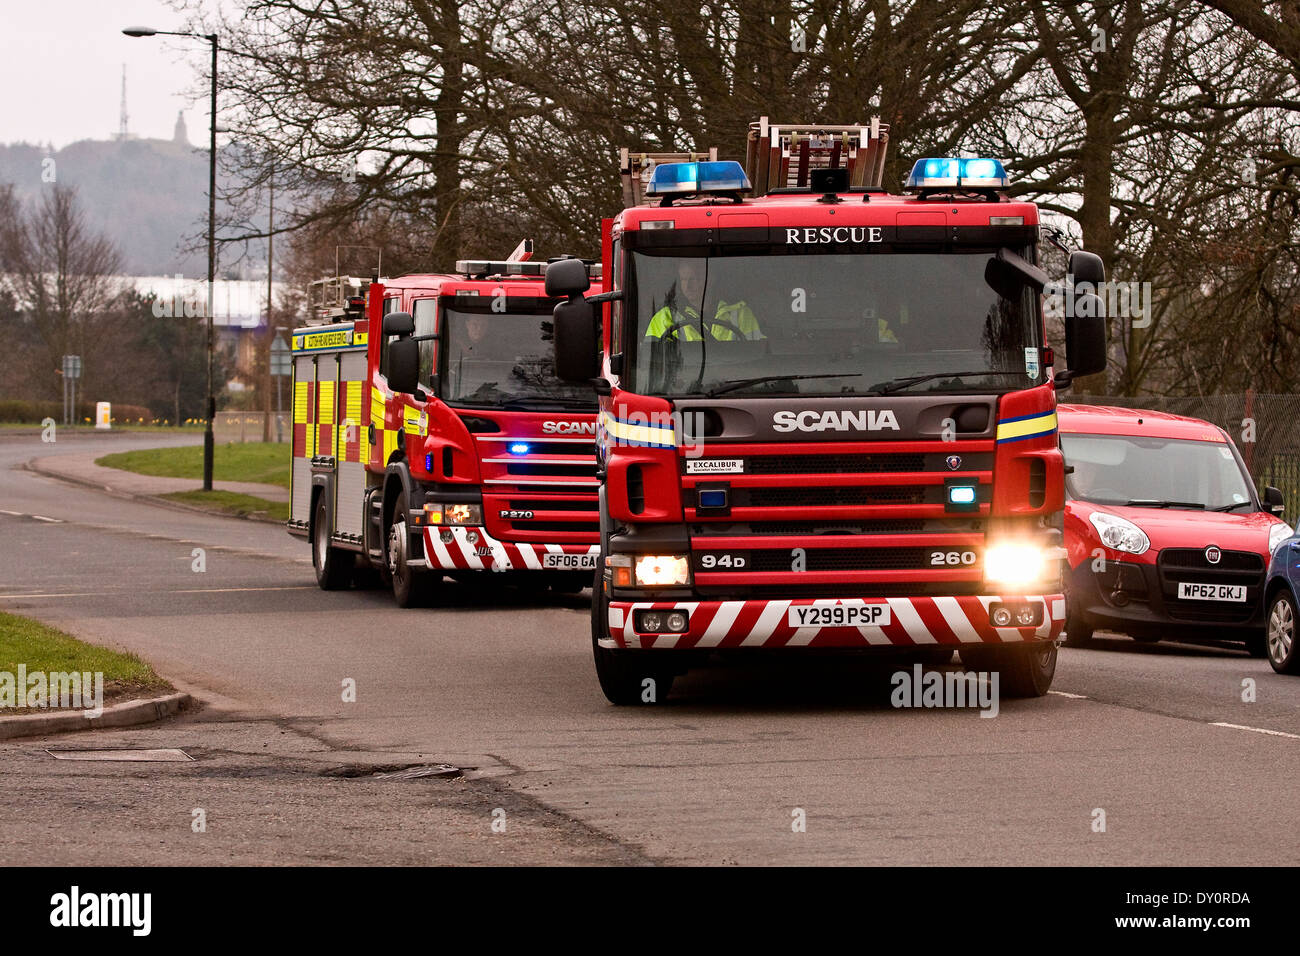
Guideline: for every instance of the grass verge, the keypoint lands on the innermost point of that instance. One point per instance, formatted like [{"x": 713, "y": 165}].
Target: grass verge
[
  {"x": 265, "y": 462},
  {"x": 39, "y": 647},
  {"x": 232, "y": 503}
]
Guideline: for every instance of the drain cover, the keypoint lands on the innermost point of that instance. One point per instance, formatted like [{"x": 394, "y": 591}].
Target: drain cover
[{"x": 137, "y": 756}]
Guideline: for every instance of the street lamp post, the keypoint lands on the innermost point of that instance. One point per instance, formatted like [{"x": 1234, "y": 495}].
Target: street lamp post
[{"x": 208, "y": 439}]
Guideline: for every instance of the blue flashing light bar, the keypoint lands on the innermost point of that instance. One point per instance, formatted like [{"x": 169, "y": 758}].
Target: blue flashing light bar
[
  {"x": 681, "y": 179},
  {"x": 958, "y": 174},
  {"x": 519, "y": 448}
]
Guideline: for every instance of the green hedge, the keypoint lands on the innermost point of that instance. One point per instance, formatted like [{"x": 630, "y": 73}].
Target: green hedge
[{"x": 34, "y": 412}]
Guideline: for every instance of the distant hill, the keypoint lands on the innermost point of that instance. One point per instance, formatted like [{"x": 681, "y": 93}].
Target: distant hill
[{"x": 147, "y": 195}]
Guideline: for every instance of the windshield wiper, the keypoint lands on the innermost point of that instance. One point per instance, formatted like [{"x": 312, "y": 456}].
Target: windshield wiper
[
  {"x": 1160, "y": 503},
  {"x": 895, "y": 384},
  {"x": 1235, "y": 504},
  {"x": 745, "y": 382}
]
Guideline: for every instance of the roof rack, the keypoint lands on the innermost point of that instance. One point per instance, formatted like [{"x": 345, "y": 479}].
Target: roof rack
[
  {"x": 782, "y": 156},
  {"x": 512, "y": 269},
  {"x": 635, "y": 169},
  {"x": 335, "y": 298}
]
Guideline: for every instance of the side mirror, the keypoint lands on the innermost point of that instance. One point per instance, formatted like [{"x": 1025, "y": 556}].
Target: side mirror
[
  {"x": 1087, "y": 267},
  {"x": 1274, "y": 503},
  {"x": 399, "y": 323},
  {"x": 567, "y": 277},
  {"x": 1085, "y": 338},
  {"x": 403, "y": 362},
  {"x": 575, "y": 337}
]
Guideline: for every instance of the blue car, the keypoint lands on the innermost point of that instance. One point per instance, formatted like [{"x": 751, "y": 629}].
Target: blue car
[{"x": 1280, "y": 606}]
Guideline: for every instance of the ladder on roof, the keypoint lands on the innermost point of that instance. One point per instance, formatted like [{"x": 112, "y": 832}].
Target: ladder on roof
[
  {"x": 782, "y": 156},
  {"x": 635, "y": 169},
  {"x": 331, "y": 299}
]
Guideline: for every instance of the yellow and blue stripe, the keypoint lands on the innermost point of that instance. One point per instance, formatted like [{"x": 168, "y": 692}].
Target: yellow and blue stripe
[
  {"x": 1037, "y": 425},
  {"x": 643, "y": 434}
]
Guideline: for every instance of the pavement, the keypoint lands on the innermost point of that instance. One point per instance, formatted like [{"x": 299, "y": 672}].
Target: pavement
[
  {"x": 81, "y": 467},
  {"x": 1164, "y": 740}
]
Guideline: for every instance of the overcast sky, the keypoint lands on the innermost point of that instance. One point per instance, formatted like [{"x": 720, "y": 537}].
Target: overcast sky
[{"x": 61, "y": 71}]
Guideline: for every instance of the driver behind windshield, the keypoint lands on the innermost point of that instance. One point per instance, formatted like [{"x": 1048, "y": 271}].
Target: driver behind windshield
[{"x": 679, "y": 318}]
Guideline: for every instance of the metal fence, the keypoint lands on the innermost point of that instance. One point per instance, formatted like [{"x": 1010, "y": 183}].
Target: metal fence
[
  {"x": 247, "y": 426},
  {"x": 1266, "y": 429}
]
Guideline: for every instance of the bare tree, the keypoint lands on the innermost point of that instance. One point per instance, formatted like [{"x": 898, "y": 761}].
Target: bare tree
[{"x": 63, "y": 278}]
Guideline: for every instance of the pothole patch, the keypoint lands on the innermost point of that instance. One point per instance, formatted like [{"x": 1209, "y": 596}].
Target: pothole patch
[
  {"x": 394, "y": 771},
  {"x": 164, "y": 755}
]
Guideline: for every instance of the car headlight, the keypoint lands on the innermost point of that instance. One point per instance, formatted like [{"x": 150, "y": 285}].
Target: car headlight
[
  {"x": 1277, "y": 534},
  {"x": 662, "y": 570},
  {"x": 442, "y": 513},
  {"x": 1018, "y": 563},
  {"x": 1118, "y": 533}
]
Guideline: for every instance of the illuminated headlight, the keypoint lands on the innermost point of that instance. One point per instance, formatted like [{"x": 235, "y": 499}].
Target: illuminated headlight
[
  {"x": 1277, "y": 534},
  {"x": 1017, "y": 564},
  {"x": 662, "y": 570},
  {"x": 453, "y": 514},
  {"x": 1119, "y": 533}
]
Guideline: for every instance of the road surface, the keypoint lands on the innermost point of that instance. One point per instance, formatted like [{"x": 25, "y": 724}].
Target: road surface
[{"x": 501, "y": 685}]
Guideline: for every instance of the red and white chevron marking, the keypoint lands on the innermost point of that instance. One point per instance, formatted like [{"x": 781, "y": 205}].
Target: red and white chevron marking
[
  {"x": 913, "y": 622},
  {"x": 489, "y": 554}
]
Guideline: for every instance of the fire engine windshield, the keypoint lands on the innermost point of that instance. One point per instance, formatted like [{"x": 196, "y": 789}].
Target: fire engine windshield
[
  {"x": 831, "y": 324},
  {"x": 505, "y": 358}
]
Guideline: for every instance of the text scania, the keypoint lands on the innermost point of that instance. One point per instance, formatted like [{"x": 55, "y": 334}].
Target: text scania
[
  {"x": 814, "y": 234},
  {"x": 569, "y": 428},
  {"x": 862, "y": 420}
]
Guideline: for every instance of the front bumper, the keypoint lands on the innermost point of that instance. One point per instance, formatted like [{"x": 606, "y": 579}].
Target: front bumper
[
  {"x": 473, "y": 549},
  {"x": 1147, "y": 605},
  {"x": 914, "y": 622}
]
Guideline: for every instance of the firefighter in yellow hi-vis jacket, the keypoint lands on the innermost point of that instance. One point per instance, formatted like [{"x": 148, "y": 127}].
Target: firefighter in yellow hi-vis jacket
[{"x": 680, "y": 318}]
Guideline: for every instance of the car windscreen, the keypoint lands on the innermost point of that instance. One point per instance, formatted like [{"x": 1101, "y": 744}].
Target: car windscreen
[
  {"x": 496, "y": 359},
  {"x": 830, "y": 324},
  {"x": 1155, "y": 472}
]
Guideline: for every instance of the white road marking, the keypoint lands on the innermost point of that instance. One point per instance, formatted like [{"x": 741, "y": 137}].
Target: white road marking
[
  {"x": 51, "y": 520},
  {"x": 16, "y": 514},
  {"x": 1255, "y": 730},
  {"x": 1061, "y": 693},
  {"x": 69, "y": 594}
]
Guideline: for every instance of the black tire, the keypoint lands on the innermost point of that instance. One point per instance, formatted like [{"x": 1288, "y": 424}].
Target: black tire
[
  {"x": 1280, "y": 634},
  {"x": 623, "y": 674},
  {"x": 1077, "y": 633},
  {"x": 411, "y": 586},
  {"x": 1024, "y": 670},
  {"x": 333, "y": 565}
]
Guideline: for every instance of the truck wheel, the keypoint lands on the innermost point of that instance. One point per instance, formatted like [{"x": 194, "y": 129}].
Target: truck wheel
[
  {"x": 1023, "y": 670},
  {"x": 1280, "y": 636},
  {"x": 411, "y": 586},
  {"x": 623, "y": 674},
  {"x": 1077, "y": 634},
  {"x": 333, "y": 565}
]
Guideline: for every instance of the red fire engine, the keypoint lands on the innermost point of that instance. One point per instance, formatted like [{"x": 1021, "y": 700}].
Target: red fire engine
[
  {"x": 431, "y": 436},
  {"x": 827, "y": 413}
]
